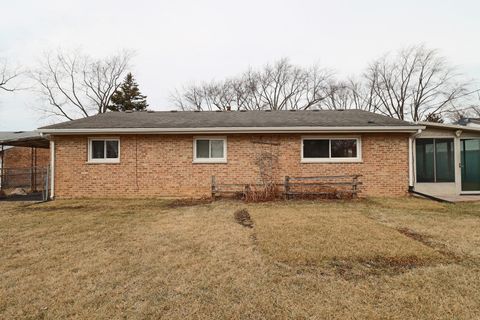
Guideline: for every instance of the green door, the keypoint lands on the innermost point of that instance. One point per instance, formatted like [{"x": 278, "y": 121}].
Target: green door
[{"x": 470, "y": 154}]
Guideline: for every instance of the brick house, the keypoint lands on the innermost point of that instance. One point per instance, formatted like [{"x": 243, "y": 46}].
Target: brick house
[{"x": 147, "y": 154}]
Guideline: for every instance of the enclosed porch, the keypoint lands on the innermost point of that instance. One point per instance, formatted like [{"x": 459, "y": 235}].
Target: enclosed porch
[{"x": 446, "y": 162}]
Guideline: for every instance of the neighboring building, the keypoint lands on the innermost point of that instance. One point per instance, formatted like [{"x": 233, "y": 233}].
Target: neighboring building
[
  {"x": 24, "y": 157},
  {"x": 473, "y": 122},
  {"x": 447, "y": 159},
  {"x": 146, "y": 154}
]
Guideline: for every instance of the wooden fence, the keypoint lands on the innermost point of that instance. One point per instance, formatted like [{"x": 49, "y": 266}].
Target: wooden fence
[
  {"x": 335, "y": 186},
  {"x": 234, "y": 189}
]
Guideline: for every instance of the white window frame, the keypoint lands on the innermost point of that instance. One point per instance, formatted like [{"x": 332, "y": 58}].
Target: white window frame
[
  {"x": 104, "y": 160},
  {"x": 356, "y": 159},
  {"x": 210, "y": 160}
]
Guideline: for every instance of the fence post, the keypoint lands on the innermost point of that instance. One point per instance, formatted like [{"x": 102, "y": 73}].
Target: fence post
[
  {"x": 287, "y": 187},
  {"x": 354, "y": 186},
  {"x": 214, "y": 188},
  {"x": 246, "y": 191}
]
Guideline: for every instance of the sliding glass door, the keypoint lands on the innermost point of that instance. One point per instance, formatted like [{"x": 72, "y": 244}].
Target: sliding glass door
[
  {"x": 435, "y": 160},
  {"x": 470, "y": 157}
]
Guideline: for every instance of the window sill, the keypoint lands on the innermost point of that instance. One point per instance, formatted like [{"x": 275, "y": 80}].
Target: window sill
[
  {"x": 331, "y": 161},
  {"x": 220, "y": 161},
  {"x": 103, "y": 162},
  {"x": 434, "y": 182}
]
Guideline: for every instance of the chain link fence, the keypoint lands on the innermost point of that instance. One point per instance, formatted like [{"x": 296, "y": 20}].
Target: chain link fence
[{"x": 32, "y": 179}]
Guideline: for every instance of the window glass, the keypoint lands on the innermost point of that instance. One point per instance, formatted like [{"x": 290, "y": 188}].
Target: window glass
[
  {"x": 316, "y": 148},
  {"x": 344, "y": 148},
  {"x": 444, "y": 160},
  {"x": 425, "y": 160},
  {"x": 112, "y": 149},
  {"x": 98, "y": 149},
  {"x": 435, "y": 160},
  {"x": 216, "y": 148},
  {"x": 203, "y": 149},
  {"x": 470, "y": 153}
]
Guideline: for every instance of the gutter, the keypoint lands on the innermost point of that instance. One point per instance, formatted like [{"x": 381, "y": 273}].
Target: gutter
[{"x": 225, "y": 130}]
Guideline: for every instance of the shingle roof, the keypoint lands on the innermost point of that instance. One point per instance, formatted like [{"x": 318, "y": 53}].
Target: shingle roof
[{"x": 230, "y": 119}]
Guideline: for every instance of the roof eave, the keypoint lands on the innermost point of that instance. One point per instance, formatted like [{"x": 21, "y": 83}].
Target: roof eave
[
  {"x": 224, "y": 130},
  {"x": 448, "y": 126}
]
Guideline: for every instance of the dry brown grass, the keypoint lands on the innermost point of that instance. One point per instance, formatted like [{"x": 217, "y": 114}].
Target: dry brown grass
[{"x": 378, "y": 258}]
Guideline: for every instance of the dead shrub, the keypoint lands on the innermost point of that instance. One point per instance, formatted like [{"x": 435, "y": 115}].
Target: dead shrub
[
  {"x": 243, "y": 217},
  {"x": 265, "y": 192}
]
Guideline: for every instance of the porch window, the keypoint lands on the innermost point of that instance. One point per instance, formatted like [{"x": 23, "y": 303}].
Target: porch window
[
  {"x": 103, "y": 150},
  {"x": 435, "y": 160},
  {"x": 330, "y": 150},
  {"x": 210, "y": 150}
]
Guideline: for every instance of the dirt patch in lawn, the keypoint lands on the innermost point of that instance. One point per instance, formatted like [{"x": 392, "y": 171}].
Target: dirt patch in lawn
[{"x": 414, "y": 235}]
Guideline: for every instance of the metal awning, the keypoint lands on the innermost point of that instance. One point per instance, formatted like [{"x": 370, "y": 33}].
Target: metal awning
[{"x": 24, "y": 139}]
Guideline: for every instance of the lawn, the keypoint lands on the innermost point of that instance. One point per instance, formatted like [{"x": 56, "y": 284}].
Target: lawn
[{"x": 137, "y": 259}]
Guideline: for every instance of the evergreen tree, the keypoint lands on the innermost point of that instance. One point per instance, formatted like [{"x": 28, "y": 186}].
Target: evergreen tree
[
  {"x": 128, "y": 96},
  {"x": 434, "y": 117}
]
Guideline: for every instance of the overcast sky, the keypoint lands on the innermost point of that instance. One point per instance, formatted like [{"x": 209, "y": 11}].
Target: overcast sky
[{"x": 179, "y": 42}]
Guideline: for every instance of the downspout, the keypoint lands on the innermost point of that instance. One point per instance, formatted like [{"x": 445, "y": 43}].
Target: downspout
[
  {"x": 52, "y": 169},
  {"x": 411, "y": 159},
  {"x": 2, "y": 152}
]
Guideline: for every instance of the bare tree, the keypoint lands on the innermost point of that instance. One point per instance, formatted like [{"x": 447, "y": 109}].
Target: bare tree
[
  {"x": 467, "y": 109},
  {"x": 350, "y": 94},
  {"x": 279, "y": 86},
  {"x": 7, "y": 76},
  {"x": 76, "y": 85},
  {"x": 414, "y": 84}
]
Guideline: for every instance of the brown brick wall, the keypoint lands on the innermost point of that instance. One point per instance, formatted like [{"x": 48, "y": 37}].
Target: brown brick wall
[
  {"x": 17, "y": 163},
  {"x": 21, "y": 157},
  {"x": 161, "y": 165}
]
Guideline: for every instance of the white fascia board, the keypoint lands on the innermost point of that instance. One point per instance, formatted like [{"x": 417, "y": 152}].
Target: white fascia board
[
  {"x": 448, "y": 126},
  {"x": 225, "y": 130}
]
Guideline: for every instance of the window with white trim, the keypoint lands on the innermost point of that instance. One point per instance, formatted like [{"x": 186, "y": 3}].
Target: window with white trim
[
  {"x": 210, "y": 150},
  {"x": 103, "y": 150},
  {"x": 331, "y": 150}
]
